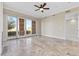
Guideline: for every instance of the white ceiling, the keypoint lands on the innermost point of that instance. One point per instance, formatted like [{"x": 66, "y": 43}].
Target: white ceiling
[{"x": 29, "y": 9}]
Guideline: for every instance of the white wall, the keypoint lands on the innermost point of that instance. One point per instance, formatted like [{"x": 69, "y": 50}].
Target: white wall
[
  {"x": 53, "y": 26},
  {"x": 4, "y": 28},
  {"x": 1, "y": 26}
]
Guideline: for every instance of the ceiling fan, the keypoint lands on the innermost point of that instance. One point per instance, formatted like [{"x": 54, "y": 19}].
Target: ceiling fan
[{"x": 41, "y": 7}]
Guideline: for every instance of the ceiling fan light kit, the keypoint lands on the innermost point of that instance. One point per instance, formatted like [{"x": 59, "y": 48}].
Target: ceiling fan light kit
[{"x": 41, "y": 9}]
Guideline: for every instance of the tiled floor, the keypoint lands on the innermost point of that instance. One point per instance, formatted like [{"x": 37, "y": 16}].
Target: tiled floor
[{"x": 40, "y": 46}]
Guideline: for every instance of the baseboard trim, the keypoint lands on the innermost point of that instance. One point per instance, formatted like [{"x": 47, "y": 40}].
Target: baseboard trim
[
  {"x": 60, "y": 38},
  {"x": 53, "y": 37}
]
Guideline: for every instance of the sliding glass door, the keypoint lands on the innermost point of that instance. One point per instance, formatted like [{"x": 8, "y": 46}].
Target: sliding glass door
[
  {"x": 28, "y": 26},
  {"x": 12, "y": 22},
  {"x": 19, "y": 27}
]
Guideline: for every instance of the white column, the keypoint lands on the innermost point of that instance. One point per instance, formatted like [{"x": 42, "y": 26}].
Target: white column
[{"x": 1, "y": 25}]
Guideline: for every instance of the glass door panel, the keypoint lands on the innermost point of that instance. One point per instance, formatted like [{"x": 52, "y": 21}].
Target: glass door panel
[
  {"x": 28, "y": 26},
  {"x": 12, "y": 22}
]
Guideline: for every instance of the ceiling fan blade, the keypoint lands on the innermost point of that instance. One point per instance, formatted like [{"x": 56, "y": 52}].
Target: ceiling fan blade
[
  {"x": 41, "y": 6},
  {"x": 37, "y": 9},
  {"x": 44, "y": 5},
  {"x": 46, "y": 8},
  {"x": 36, "y": 6}
]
